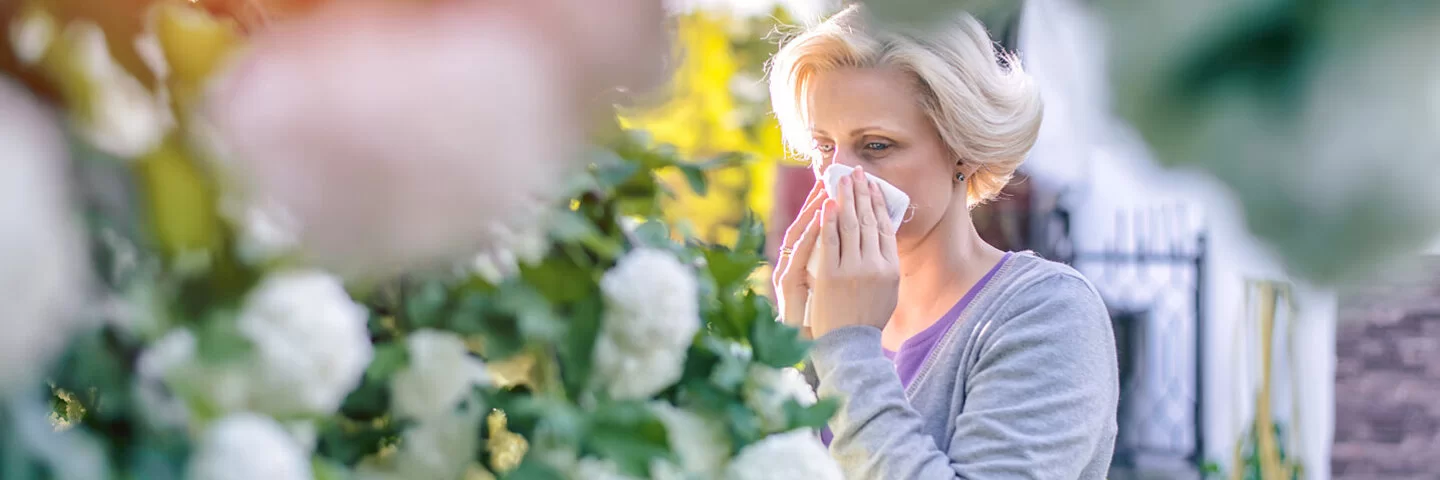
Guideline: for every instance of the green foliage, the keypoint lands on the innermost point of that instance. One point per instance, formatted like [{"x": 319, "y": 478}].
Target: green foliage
[
  {"x": 550, "y": 310},
  {"x": 776, "y": 344},
  {"x": 628, "y": 433},
  {"x": 813, "y": 416}
]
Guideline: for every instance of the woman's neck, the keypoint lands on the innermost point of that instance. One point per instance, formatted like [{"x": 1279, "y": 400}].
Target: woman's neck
[{"x": 937, "y": 270}]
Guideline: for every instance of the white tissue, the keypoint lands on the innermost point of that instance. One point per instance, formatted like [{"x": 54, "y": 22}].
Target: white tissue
[{"x": 896, "y": 201}]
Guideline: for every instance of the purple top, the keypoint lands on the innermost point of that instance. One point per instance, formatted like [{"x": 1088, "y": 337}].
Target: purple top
[{"x": 915, "y": 349}]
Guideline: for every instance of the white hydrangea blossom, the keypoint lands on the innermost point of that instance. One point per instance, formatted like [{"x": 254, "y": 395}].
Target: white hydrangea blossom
[
  {"x": 310, "y": 347},
  {"x": 440, "y": 374},
  {"x": 31, "y": 33},
  {"x": 629, "y": 374},
  {"x": 767, "y": 390},
  {"x": 652, "y": 313},
  {"x": 311, "y": 342},
  {"x": 652, "y": 300},
  {"x": 155, "y": 364},
  {"x": 42, "y": 257},
  {"x": 703, "y": 444},
  {"x": 246, "y": 446},
  {"x": 513, "y": 246},
  {"x": 439, "y": 448},
  {"x": 785, "y": 456},
  {"x": 124, "y": 119},
  {"x": 667, "y": 470},
  {"x": 264, "y": 233}
]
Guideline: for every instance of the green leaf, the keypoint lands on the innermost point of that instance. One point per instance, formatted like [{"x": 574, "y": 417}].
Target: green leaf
[
  {"x": 532, "y": 469},
  {"x": 725, "y": 160},
  {"x": 425, "y": 303},
  {"x": 656, "y": 157},
  {"x": 744, "y": 424},
  {"x": 612, "y": 176},
  {"x": 814, "y": 416},
  {"x": 572, "y": 227},
  {"x": 575, "y": 354},
  {"x": 629, "y": 434},
  {"x": 324, "y": 469},
  {"x": 347, "y": 442},
  {"x": 696, "y": 177},
  {"x": 389, "y": 358},
  {"x": 751, "y": 240},
  {"x": 470, "y": 313},
  {"x": 158, "y": 457},
  {"x": 654, "y": 233},
  {"x": 536, "y": 319},
  {"x": 725, "y": 316},
  {"x": 730, "y": 269},
  {"x": 640, "y": 204},
  {"x": 776, "y": 344},
  {"x": 500, "y": 337},
  {"x": 704, "y": 395},
  {"x": 637, "y": 138},
  {"x": 530, "y": 415},
  {"x": 558, "y": 278},
  {"x": 219, "y": 341},
  {"x": 371, "y": 400}
]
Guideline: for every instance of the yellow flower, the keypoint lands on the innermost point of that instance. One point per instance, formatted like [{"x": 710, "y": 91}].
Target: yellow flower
[{"x": 703, "y": 119}]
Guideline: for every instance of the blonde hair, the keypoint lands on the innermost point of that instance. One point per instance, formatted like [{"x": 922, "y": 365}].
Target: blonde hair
[{"x": 986, "y": 109}]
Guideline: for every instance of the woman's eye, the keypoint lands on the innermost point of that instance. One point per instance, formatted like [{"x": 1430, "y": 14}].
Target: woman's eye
[
  {"x": 825, "y": 148},
  {"x": 877, "y": 146}
]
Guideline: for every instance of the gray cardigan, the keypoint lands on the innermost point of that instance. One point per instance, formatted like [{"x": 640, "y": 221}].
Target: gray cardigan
[{"x": 1023, "y": 386}]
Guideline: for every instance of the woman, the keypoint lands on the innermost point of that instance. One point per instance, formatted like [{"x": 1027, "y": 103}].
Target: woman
[{"x": 953, "y": 359}]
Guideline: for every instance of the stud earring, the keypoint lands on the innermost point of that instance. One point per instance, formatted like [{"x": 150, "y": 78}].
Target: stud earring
[{"x": 959, "y": 177}]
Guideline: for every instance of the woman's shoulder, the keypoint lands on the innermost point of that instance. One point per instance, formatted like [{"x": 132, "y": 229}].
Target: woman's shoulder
[
  {"x": 1033, "y": 282},
  {"x": 1031, "y": 271},
  {"x": 1048, "y": 303}
]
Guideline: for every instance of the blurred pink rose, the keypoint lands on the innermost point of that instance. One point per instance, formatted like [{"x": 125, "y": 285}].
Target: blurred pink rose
[
  {"x": 612, "y": 42},
  {"x": 394, "y": 136}
]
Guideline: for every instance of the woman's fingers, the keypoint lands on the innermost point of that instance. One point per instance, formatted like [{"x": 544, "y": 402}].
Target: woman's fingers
[
  {"x": 865, "y": 213},
  {"x": 795, "y": 274},
  {"x": 830, "y": 233},
  {"x": 812, "y": 204},
  {"x": 792, "y": 233},
  {"x": 849, "y": 222},
  {"x": 883, "y": 225}
]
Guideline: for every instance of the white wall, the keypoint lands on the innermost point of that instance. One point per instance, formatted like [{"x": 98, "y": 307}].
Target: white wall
[{"x": 1107, "y": 169}]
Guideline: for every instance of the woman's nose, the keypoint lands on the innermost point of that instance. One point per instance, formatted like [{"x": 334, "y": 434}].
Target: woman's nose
[
  {"x": 845, "y": 158},
  {"x": 838, "y": 156}
]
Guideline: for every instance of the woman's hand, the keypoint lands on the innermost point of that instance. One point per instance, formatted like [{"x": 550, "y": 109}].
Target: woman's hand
[
  {"x": 791, "y": 283},
  {"x": 858, "y": 281}
]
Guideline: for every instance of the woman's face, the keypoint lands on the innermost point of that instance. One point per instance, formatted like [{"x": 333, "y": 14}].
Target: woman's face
[{"x": 872, "y": 118}]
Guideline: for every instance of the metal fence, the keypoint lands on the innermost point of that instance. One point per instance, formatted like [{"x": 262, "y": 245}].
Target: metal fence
[{"x": 1153, "y": 282}]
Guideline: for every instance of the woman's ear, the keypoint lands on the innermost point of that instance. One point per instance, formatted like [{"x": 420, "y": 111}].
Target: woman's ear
[
  {"x": 967, "y": 168},
  {"x": 964, "y": 170}
]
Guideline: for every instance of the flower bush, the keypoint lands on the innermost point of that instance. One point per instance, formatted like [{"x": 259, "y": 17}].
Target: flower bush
[{"x": 283, "y": 291}]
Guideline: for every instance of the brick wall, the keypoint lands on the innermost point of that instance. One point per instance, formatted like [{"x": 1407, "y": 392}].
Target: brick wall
[{"x": 1387, "y": 376}]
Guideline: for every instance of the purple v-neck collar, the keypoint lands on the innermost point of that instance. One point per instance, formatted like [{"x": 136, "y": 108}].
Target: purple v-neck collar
[{"x": 913, "y": 352}]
